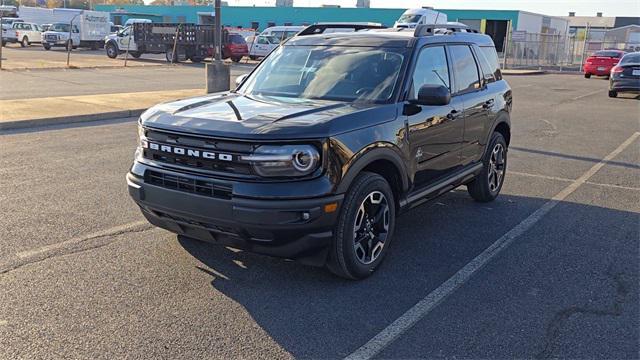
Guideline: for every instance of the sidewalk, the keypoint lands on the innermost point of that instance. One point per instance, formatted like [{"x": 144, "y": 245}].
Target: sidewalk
[{"x": 25, "y": 113}]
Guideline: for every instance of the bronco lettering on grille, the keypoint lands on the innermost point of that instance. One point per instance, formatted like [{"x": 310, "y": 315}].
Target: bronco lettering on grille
[{"x": 186, "y": 151}]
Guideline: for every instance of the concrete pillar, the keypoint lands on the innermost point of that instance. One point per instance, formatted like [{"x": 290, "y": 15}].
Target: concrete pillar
[{"x": 218, "y": 76}]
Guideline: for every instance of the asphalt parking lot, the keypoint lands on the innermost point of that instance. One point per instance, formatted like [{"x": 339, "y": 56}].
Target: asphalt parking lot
[{"x": 548, "y": 270}]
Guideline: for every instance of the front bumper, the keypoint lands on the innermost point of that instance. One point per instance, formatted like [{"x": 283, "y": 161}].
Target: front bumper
[{"x": 296, "y": 229}]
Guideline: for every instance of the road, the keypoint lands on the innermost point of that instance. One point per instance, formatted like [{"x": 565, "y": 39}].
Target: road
[
  {"x": 85, "y": 277},
  {"x": 27, "y": 84}
]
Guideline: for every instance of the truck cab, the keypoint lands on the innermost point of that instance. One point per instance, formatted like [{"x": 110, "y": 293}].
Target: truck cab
[{"x": 61, "y": 35}]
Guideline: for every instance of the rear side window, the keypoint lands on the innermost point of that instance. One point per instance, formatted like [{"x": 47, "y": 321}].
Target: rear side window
[
  {"x": 431, "y": 69},
  {"x": 610, "y": 54},
  {"x": 491, "y": 56},
  {"x": 465, "y": 69}
]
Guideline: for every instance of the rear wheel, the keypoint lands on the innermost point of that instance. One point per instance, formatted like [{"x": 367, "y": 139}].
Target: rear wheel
[
  {"x": 24, "y": 42},
  {"x": 135, "y": 54},
  {"x": 253, "y": 57},
  {"x": 586, "y": 76},
  {"x": 236, "y": 59},
  {"x": 112, "y": 51},
  {"x": 613, "y": 93},
  {"x": 487, "y": 185},
  {"x": 196, "y": 59},
  {"x": 365, "y": 228}
]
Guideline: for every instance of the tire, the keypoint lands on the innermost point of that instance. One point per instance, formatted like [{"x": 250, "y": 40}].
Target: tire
[
  {"x": 25, "y": 42},
  {"x": 253, "y": 57},
  {"x": 196, "y": 60},
  {"x": 46, "y": 46},
  {"x": 135, "y": 54},
  {"x": 370, "y": 197},
  {"x": 170, "y": 56},
  {"x": 586, "y": 76},
  {"x": 487, "y": 185},
  {"x": 613, "y": 93},
  {"x": 112, "y": 51},
  {"x": 236, "y": 59}
]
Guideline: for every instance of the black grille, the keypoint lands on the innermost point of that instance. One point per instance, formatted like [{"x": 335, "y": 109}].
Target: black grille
[
  {"x": 186, "y": 184},
  {"x": 233, "y": 149}
]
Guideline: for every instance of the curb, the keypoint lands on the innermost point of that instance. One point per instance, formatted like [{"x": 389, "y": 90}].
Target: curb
[{"x": 60, "y": 120}]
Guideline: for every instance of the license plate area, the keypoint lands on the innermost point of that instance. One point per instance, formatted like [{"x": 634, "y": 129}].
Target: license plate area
[{"x": 635, "y": 72}]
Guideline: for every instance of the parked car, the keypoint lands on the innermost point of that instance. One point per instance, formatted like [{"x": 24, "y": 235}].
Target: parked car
[
  {"x": 325, "y": 142},
  {"x": 601, "y": 62},
  {"x": 235, "y": 47},
  {"x": 262, "y": 45},
  {"x": 26, "y": 33},
  {"x": 625, "y": 76}
]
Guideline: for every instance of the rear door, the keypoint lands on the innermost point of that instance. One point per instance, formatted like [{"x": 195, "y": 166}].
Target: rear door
[{"x": 472, "y": 92}]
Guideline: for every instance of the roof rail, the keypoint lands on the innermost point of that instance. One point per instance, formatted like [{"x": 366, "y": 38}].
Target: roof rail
[
  {"x": 430, "y": 29},
  {"x": 320, "y": 28}
]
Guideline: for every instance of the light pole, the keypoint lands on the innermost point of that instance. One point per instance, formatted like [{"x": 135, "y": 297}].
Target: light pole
[{"x": 218, "y": 32}]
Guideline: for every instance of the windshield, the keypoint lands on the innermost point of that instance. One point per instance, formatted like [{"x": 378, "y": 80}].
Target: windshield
[
  {"x": 59, "y": 27},
  {"x": 328, "y": 73},
  {"x": 236, "y": 39},
  {"x": 409, "y": 18},
  {"x": 630, "y": 59}
]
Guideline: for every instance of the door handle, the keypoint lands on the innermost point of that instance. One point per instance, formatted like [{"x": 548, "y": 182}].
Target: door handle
[
  {"x": 454, "y": 114},
  {"x": 487, "y": 104}
]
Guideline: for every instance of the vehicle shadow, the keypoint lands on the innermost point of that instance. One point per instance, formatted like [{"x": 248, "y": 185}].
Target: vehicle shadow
[{"x": 313, "y": 314}]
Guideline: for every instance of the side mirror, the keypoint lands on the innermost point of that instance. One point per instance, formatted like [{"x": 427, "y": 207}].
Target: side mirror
[
  {"x": 434, "y": 95},
  {"x": 240, "y": 79}
]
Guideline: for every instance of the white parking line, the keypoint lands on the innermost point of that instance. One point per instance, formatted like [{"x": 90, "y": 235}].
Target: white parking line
[
  {"x": 587, "y": 95},
  {"x": 429, "y": 302},
  {"x": 546, "y": 177}
]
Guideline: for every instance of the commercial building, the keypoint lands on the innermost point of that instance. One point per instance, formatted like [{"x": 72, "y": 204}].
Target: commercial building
[{"x": 491, "y": 22}]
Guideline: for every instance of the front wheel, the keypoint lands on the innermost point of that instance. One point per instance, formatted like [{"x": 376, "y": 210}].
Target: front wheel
[
  {"x": 586, "y": 76},
  {"x": 613, "y": 93},
  {"x": 112, "y": 51},
  {"x": 364, "y": 229},
  {"x": 236, "y": 59},
  {"x": 487, "y": 185},
  {"x": 46, "y": 46}
]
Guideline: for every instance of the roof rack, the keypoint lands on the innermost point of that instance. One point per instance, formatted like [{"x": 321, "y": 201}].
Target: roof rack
[
  {"x": 432, "y": 29},
  {"x": 320, "y": 28}
]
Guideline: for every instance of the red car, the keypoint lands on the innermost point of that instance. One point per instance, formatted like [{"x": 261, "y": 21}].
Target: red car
[
  {"x": 235, "y": 47},
  {"x": 601, "y": 62}
]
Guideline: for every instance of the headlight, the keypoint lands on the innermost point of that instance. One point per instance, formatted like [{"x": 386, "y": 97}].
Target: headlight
[
  {"x": 284, "y": 161},
  {"x": 142, "y": 142}
]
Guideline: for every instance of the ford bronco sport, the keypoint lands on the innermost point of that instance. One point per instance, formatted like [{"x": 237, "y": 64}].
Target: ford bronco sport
[{"x": 326, "y": 142}]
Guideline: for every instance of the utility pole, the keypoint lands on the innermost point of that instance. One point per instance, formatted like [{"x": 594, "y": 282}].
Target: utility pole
[
  {"x": 218, "y": 73},
  {"x": 217, "y": 27}
]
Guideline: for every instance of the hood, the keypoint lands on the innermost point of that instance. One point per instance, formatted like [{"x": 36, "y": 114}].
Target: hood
[{"x": 234, "y": 115}]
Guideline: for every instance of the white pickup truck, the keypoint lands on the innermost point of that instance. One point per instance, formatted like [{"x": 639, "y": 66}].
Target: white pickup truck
[{"x": 88, "y": 30}]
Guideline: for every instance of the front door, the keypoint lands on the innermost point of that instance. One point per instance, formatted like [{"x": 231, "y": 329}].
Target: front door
[{"x": 435, "y": 132}]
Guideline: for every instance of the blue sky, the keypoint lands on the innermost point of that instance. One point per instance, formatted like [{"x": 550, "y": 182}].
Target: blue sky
[{"x": 548, "y": 7}]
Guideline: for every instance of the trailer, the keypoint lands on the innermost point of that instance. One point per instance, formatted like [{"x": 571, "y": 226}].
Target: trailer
[{"x": 190, "y": 41}]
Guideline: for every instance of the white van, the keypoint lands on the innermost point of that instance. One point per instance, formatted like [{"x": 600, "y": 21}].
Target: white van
[
  {"x": 282, "y": 32},
  {"x": 413, "y": 17},
  {"x": 136, "y": 21}
]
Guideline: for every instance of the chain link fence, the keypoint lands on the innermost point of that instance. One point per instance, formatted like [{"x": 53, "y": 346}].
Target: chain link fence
[{"x": 556, "y": 51}]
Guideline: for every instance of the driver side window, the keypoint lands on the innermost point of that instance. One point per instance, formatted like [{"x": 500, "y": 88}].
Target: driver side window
[{"x": 431, "y": 69}]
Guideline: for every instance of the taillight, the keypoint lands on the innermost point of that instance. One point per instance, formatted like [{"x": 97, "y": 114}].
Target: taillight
[{"x": 616, "y": 69}]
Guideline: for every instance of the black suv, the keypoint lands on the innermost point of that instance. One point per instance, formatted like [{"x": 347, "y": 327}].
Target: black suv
[{"x": 325, "y": 142}]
